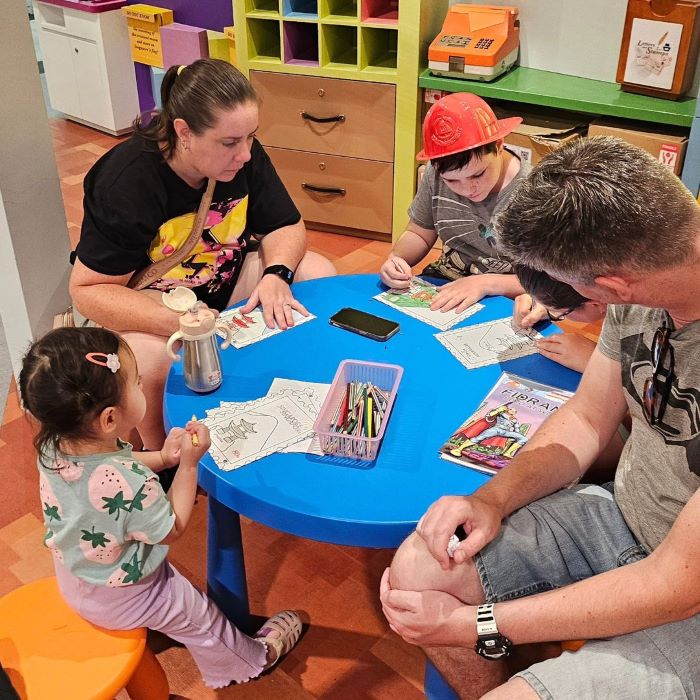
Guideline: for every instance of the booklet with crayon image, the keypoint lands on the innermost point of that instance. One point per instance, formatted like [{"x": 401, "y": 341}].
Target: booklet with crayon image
[{"x": 506, "y": 419}]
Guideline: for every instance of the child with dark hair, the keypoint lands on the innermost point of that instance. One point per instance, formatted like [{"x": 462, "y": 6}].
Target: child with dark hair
[
  {"x": 556, "y": 300},
  {"x": 108, "y": 520},
  {"x": 469, "y": 181}
]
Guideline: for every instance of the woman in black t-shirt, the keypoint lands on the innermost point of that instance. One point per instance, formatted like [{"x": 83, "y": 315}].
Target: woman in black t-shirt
[{"x": 140, "y": 200}]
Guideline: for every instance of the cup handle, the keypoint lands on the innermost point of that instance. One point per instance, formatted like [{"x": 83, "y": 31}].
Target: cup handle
[
  {"x": 169, "y": 347},
  {"x": 226, "y": 330}
]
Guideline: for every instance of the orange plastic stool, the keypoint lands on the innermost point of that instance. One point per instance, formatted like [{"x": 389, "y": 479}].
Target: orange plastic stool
[
  {"x": 49, "y": 651},
  {"x": 573, "y": 644}
]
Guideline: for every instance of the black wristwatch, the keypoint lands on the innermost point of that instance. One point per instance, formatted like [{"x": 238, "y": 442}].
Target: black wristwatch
[
  {"x": 490, "y": 643},
  {"x": 281, "y": 271}
]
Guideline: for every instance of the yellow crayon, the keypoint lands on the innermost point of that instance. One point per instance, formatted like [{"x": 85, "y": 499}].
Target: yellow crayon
[{"x": 195, "y": 439}]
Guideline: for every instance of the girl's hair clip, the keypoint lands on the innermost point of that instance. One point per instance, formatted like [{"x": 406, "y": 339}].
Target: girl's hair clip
[{"x": 108, "y": 360}]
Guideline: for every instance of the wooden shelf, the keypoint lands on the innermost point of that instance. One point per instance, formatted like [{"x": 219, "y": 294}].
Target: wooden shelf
[{"x": 538, "y": 87}]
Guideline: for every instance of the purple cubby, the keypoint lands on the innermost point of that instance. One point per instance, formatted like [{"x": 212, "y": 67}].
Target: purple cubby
[
  {"x": 301, "y": 43},
  {"x": 183, "y": 44}
]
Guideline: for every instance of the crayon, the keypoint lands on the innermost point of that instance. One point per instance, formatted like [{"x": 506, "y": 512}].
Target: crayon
[{"x": 195, "y": 439}]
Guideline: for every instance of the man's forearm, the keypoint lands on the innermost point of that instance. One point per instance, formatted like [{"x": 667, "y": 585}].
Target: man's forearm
[
  {"x": 557, "y": 455},
  {"x": 620, "y": 601}
]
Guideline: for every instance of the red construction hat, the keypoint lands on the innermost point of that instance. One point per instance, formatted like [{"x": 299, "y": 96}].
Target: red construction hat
[{"x": 459, "y": 122}]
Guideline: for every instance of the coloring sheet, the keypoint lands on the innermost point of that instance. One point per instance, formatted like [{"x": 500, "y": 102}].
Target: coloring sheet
[
  {"x": 317, "y": 394},
  {"x": 243, "y": 433},
  {"x": 415, "y": 301},
  {"x": 488, "y": 343},
  {"x": 250, "y": 328}
]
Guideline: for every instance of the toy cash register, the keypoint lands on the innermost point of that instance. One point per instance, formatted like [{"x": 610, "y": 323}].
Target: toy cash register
[{"x": 477, "y": 42}]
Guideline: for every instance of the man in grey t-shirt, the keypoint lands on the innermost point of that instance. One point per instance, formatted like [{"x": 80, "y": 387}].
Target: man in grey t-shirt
[
  {"x": 470, "y": 179},
  {"x": 547, "y": 559}
]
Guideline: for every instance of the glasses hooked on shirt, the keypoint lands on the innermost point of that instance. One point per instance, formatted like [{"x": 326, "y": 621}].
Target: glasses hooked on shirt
[{"x": 657, "y": 388}]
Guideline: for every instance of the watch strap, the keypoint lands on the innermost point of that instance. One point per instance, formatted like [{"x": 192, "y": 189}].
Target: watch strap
[
  {"x": 486, "y": 620},
  {"x": 281, "y": 271}
]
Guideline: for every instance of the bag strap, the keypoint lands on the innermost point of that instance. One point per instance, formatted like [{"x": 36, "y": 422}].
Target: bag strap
[{"x": 154, "y": 272}]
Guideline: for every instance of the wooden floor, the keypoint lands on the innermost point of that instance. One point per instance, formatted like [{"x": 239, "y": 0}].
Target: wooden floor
[{"x": 348, "y": 651}]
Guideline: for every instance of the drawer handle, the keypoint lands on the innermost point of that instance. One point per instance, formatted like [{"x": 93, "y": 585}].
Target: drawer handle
[
  {"x": 322, "y": 120},
  {"x": 324, "y": 190}
]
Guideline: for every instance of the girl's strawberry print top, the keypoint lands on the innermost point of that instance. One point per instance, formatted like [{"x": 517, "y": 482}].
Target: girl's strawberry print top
[{"x": 105, "y": 515}]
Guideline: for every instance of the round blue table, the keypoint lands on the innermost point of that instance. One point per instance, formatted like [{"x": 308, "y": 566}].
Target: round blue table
[{"x": 368, "y": 505}]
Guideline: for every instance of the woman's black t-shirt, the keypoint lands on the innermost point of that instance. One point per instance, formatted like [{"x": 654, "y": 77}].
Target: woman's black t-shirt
[{"x": 138, "y": 211}]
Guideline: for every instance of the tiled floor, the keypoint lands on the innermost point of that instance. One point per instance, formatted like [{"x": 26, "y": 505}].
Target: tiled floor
[{"x": 348, "y": 651}]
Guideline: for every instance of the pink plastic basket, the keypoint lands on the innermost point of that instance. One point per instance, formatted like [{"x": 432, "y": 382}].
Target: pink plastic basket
[{"x": 386, "y": 377}]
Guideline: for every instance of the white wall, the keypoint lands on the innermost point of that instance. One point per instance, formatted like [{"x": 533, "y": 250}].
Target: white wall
[
  {"x": 33, "y": 232},
  {"x": 575, "y": 37}
]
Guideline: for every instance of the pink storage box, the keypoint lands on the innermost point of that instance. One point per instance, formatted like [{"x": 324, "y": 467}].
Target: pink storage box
[
  {"x": 386, "y": 377},
  {"x": 183, "y": 44}
]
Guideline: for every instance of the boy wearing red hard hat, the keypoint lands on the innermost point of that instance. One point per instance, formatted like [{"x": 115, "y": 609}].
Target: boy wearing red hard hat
[{"x": 469, "y": 180}]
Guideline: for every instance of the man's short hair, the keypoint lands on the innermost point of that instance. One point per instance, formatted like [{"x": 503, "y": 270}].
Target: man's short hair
[
  {"x": 460, "y": 160},
  {"x": 599, "y": 206}
]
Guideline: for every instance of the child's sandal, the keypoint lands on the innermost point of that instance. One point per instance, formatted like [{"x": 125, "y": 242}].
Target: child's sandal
[{"x": 288, "y": 625}]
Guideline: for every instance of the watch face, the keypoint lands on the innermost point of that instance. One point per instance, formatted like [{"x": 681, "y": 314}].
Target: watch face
[{"x": 493, "y": 647}]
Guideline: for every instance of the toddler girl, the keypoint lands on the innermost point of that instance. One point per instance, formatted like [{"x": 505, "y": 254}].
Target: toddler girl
[{"x": 108, "y": 520}]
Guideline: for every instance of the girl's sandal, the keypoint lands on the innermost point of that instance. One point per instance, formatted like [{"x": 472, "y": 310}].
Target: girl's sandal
[{"x": 288, "y": 626}]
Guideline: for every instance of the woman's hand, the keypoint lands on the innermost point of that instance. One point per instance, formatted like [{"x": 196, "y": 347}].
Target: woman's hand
[
  {"x": 275, "y": 297},
  {"x": 527, "y": 312},
  {"x": 568, "y": 349},
  {"x": 460, "y": 294},
  {"x": 427, "y": 618},
  {"x": 395, "y": 272}
]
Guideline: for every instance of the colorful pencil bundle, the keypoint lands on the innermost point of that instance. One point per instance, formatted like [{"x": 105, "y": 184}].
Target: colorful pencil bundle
[{"x": 361, "y": 410}]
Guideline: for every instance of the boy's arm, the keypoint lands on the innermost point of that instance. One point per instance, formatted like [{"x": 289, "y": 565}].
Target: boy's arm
[{"x": 415, "y": 243}]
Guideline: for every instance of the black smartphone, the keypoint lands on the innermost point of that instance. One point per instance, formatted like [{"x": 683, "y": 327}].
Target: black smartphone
[{"x": 365, "y": 324}]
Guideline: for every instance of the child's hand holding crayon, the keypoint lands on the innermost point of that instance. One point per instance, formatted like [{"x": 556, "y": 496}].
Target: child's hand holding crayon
[{"x": 195, "y": 441}]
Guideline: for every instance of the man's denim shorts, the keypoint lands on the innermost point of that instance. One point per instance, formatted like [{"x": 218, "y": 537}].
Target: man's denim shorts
[{"x": 567, "y": 537}]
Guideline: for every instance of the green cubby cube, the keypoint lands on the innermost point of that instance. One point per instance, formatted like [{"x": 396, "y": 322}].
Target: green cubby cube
[
  {"x": 379, "y": 49},
  {"x": 264, "y": 40},
  {"x": 344, "y": 10},
  {"x": 262, "y": 7},
  {"x": 339, "y": 46}
]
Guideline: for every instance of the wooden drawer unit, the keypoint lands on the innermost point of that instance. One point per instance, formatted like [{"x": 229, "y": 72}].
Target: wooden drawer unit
[
  {"x": 326, "y": 115},
  {"x": 339, "y": 191}
]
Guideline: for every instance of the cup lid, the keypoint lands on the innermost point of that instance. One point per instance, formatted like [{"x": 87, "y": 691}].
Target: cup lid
[{"x": 180, "y": 299}]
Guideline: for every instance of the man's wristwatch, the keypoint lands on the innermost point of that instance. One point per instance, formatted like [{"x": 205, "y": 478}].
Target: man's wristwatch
[
  {"x": 281, "y": 271},
  {"x": 490, "y": 643}
]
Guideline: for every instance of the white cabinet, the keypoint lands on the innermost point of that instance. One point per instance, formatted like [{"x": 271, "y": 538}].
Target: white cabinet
[{"x": 88, "y": 65}]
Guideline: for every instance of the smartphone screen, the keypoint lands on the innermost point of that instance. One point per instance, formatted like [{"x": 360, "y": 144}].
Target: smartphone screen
[{"x": 364, "y": 323}]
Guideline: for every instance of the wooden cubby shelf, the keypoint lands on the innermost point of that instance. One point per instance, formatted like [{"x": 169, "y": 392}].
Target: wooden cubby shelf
[
  {"x": 380, "y": 12},
  {"x": 339, "y": 46},
  {"x": 379, "y": 52},
  {"x": 263, "y": 8},
  {"x": 300, "y": 43},
  {"x": 339, "y": 11},
  {"x": 300, "y": 9},
  {"x": 264, "y": 40}
]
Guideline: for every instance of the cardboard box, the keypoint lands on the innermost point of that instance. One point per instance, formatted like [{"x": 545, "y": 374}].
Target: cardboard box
[
  {"x": 218, "y": 45},
  {"x": 144, "y": 23},
  {"x": 183, "y": 44},
  {"x": 540, "y": 134},
  {"x": 668, "y": 146},
  {"x": 230, "y": 34}
]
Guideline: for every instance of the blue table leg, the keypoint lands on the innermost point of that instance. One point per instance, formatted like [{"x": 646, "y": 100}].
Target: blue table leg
[
  {"x": 435, "y": 686},
  {"x": 226, "y": 580}
]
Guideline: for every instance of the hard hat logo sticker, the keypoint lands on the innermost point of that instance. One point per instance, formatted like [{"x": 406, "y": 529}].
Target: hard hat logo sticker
[{"x": 446, "y": 130}]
